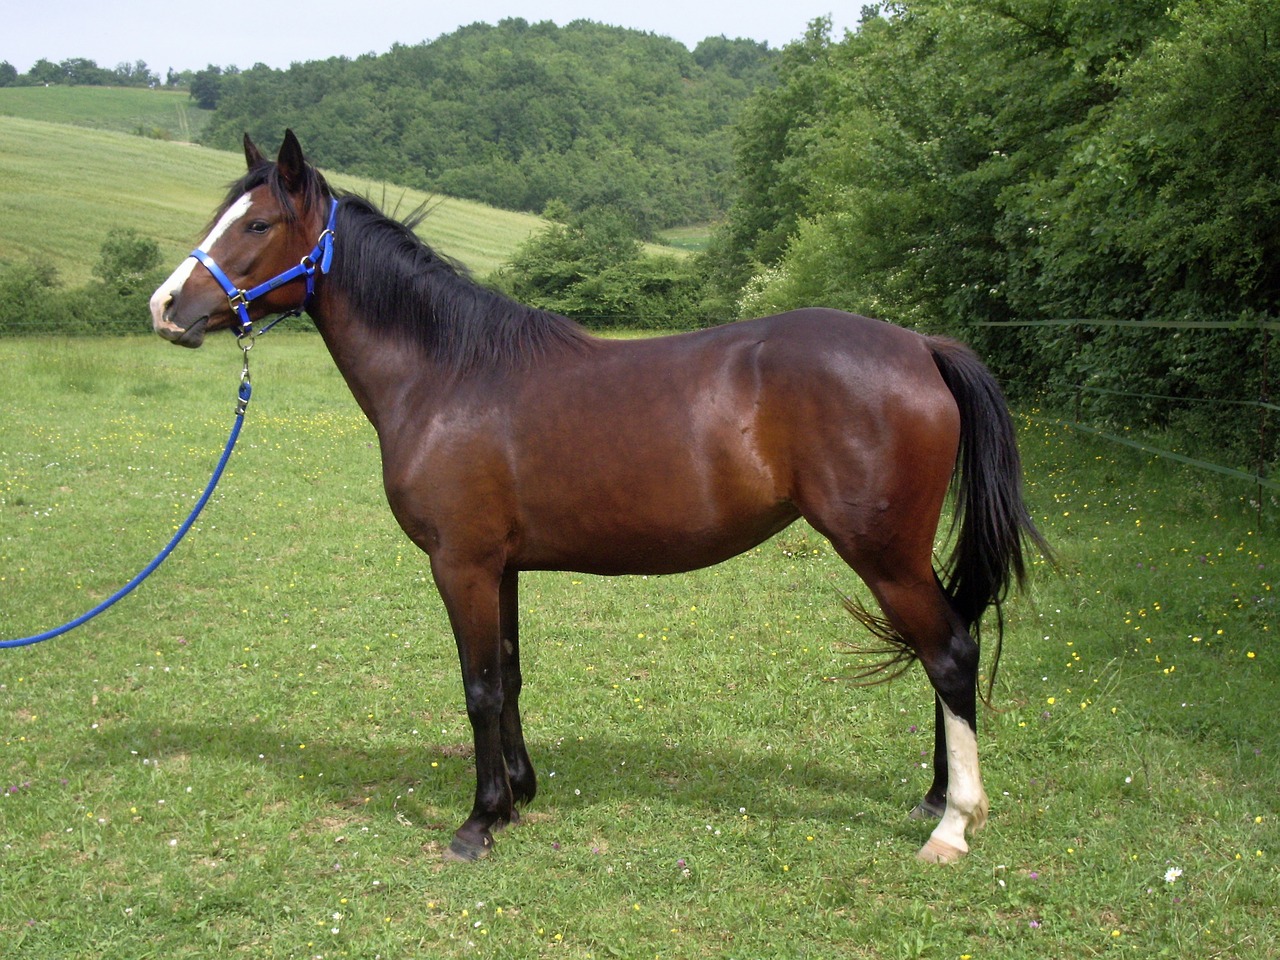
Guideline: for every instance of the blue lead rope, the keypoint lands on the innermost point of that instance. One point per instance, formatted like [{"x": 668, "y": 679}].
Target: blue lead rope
[{"x": 245, "y": 392}]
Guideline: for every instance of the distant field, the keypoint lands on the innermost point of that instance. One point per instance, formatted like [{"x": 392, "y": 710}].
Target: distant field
[
  {"x": 690, "y": 239},
  {"x": 66, "y": 186},
  {"x": 169, "y": 114}
]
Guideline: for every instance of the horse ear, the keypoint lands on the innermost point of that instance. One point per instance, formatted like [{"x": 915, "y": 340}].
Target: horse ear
[
  {"x": 290, "y": 161},
  {"x": 252, "y": 155}
]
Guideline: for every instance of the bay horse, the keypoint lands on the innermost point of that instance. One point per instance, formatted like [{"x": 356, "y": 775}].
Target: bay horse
[{"x": 513, "y": 440}]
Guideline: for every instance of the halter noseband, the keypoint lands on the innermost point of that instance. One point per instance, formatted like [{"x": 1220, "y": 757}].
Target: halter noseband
[{"x": 321, "y": 256}]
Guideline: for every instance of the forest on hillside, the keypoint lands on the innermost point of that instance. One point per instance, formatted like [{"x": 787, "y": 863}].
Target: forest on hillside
[{"x": 517, "y": 115}]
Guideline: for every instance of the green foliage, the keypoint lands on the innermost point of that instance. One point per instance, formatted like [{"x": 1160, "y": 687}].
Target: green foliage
[
  {"x": 772, "y": 143},
  {"x": 594, "y": 269},
  {"x": 32, "y": 298},
  {"x": 959, "y": 164},
  {"x": 26, "y": 290},
  {"x": 519, "y": 114},
  {"x": 206, "y": 87},
  {"x": 79, "y": 71},
  {"x": 127, "y": 260}
]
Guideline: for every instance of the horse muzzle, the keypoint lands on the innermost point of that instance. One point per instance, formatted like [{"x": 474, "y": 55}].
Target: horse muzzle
[
  {"x": 169, "y": 319},
  {"x": 190, "y": 336},
  {"x": 166, "y": 322}
]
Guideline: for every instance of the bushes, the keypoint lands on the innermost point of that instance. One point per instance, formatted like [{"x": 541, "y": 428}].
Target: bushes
[
  {"x": 594, "y": 269},
  {"x": 33, "y": 300}
]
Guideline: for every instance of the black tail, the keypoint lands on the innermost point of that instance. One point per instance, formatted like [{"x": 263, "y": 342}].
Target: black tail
[{"x": 995, "y": 529}]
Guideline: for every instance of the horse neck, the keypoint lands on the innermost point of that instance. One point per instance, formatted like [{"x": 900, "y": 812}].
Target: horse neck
[{"x": 380, "y": 371}]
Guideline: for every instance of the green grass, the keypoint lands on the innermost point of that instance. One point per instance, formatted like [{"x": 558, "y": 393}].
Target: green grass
[
  {"x": 691, "y": 239},
  {"x": 66, "y": 187},
  {"x": 262, "y": 752},
  {"x": 167, "y": 114}
]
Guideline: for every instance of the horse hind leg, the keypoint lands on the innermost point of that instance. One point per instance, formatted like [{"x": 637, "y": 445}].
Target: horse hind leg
[{"x": 919, "y": 617}]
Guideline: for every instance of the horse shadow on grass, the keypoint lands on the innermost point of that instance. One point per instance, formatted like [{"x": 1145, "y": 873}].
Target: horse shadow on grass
[{"x": 432, "y": 785}]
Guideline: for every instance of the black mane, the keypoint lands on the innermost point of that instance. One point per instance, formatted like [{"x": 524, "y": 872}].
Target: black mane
[{"x": 402, "y": 287}]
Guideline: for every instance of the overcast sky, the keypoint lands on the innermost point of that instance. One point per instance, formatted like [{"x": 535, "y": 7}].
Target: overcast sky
[{"x": 167, "y": 34}]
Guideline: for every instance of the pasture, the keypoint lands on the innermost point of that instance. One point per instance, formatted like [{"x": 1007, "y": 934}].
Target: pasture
[
  {"x": 263, "y": 751},
  {"x": 162, "y": 114},
  {"x": 78, "y": 184}
]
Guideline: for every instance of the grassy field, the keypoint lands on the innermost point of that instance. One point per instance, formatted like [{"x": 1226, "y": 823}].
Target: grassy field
[
  {"x": 690, "y": 239},
  {"x": 168, "y": 114},
  {"x": 66, "y": 187},
  {"x": 262, "y": 752}
]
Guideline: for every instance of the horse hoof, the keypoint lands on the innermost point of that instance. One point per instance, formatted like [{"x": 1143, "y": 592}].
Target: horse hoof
[
  {"x": 925, "y": 810},
  {"x": 939, "y": 851},
  {"x": 463, "y": 850}
]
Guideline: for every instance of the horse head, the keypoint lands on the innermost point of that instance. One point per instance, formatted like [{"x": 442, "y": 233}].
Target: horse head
[{"x": 259, "y": 257}]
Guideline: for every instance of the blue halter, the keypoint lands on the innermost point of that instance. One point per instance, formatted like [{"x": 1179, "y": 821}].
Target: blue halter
[{"x": 321, "y": 257}]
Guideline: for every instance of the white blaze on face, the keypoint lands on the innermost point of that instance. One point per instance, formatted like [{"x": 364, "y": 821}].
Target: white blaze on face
[{"x": 164, "y": 294}]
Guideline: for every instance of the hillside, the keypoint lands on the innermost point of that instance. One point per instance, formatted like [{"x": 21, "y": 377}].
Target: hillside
[
  {"x": 519, "y": 115},
  {"x": 66, "y": 186},
  {"x": 162, "y": 114}
]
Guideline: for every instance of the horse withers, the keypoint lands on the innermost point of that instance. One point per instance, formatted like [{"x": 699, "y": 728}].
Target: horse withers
[{"x": 513, "y": 440}]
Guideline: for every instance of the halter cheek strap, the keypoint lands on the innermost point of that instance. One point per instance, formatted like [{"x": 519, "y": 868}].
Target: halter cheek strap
[{"x": 320, "y": 258}]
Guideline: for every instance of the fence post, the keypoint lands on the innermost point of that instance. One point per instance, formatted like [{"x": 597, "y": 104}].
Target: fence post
[{"x": 1264, "y": 415}]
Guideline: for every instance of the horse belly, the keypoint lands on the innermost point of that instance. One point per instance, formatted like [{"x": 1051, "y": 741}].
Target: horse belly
[{"x": 649, "y": 507}]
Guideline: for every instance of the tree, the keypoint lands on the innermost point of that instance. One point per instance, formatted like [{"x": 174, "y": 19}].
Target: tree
[
  {"x": 593, "y": 269},
  {"x": 26, "y": 292},
  {"x": 45, "y": 72},
  {"x": 206, "y": 87},
  {"x": 136, "y": 74},
  {"x": 771, "y": 142},
  {"x": 126, "y": 260}
]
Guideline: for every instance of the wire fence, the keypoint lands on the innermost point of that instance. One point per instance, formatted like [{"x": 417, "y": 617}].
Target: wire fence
[{"x": 1262, "y": 403}]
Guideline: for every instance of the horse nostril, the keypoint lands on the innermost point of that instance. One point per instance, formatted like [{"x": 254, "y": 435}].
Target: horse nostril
[{"x": 161, "y": 302}]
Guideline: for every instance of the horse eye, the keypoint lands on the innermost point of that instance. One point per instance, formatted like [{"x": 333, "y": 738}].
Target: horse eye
[{"x": 259, "y": 226}]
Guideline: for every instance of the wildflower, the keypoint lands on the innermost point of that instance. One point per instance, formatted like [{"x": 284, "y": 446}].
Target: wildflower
[{"x": 1172, "y": 874}]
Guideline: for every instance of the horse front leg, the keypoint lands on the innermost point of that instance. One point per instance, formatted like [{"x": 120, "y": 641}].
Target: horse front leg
[
  {"x": 524, "y": 782},
  {"x": 471, "y": 597}
]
